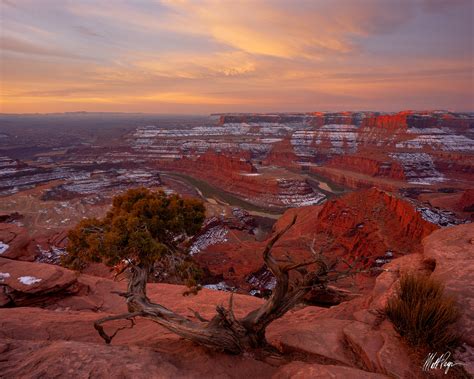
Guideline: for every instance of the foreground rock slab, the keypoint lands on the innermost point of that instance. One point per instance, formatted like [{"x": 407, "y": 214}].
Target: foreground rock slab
[
  {"x": 301, "y": 370},
  {"x": 349, "y": 340},
  {"x": 452, "y": 250},
  {"x": 25, "y": 283}
]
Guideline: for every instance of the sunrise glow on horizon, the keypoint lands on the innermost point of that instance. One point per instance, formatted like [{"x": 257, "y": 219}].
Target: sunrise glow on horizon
[{"x": 199, "y": 57}]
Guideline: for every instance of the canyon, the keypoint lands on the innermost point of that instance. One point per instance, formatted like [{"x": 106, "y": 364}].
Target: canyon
[
  {"x": 368, "y": 227},
  {"x": 406, "y": 152},
  {"x": 273, "y": 161},
  {"x": 386, "y": 192},
  {"x": 260, "y": 164}
]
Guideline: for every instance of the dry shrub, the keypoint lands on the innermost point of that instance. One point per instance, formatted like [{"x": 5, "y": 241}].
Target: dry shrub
[{"x": 422, "y": 313}]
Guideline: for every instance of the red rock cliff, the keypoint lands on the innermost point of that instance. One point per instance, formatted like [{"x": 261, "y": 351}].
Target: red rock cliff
[
  {"x": 392, "y": 121},
  {"x": 369, "y": 166},
  {"x": 371, "y": 225}
]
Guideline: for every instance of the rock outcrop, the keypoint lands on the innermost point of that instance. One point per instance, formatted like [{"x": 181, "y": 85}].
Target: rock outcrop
[
  {"x": 312, "y": 370},
  {"x": 393, "y": 122},
  {"x": 370, "y": 226},
  {"x": 392, "y": 151},
  {"x": 370, "y": 166},
  {"x": 25, "y": 283},
  {"x": 282, "y": 154},
  {"x": 466, "y": 203},
  {"x": 452, "y": 250},
  {"x": 36, "y": 341},
  {"x": 47, "y": 318},
  {"x": 237, "y": 175},
  {"x": 16, "y": 242}
]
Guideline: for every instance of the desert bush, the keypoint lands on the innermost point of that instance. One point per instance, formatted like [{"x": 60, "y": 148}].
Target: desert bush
[{"x": 422, "y": 313}]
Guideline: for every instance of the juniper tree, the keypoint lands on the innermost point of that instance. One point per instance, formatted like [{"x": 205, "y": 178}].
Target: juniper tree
[{"x": 144, "y": 227}]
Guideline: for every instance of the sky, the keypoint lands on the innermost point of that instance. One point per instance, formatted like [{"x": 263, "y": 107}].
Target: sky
[{"x": 200, "y": 57}]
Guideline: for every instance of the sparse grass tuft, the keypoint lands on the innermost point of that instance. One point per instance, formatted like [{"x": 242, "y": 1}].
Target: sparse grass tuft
[{"x": 422, "y": 313}]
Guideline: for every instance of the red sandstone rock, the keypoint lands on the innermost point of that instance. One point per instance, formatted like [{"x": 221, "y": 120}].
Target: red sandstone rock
[
  {"x": 466, "y": 203},
  {"x": 456, "y": 165},
  {"x": 452, "y": 249},
  {"x": 394, "y": 356},
  {"x": 217, "y": 163},
  {"x": 373, "y": 167},
  {"x": 385, "y": 283},
  {"x": 380, "y": 350},
  {"x": 39, "y": 359},
  {"x": 236, "y": 174},
  {"x": 23, "y": 283},
  {"x": 323, "y": 339},
  {"x": 365, "y": 342},
  {"x": 282, "y": 155},
  {"x": 56, "y": 239},
  {"x": 375, "y": 218},
  {"x": 366, "y": 223},
  {"x": 43, "y": 335},
  {"x": 389, "y": 122},
  {"x": 343, "y": 341},
  {"x": 371, "y": 225},
  {"x": 20, "y": 245},
  {"x": 301, "y": 370}
]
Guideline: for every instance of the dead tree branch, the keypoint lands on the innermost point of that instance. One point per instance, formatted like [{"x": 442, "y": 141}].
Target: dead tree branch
[{"x": 125, "y": 316}]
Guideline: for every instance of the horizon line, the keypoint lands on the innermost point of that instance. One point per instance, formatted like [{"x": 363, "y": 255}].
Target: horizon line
[{"x": 231, "y": 113}]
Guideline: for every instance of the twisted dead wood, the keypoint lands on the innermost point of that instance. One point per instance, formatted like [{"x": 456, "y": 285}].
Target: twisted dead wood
[{"x": 224, "y": 331}]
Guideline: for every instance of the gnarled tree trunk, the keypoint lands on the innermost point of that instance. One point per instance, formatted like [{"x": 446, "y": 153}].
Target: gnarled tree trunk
[{"x": 224, "y": 331}]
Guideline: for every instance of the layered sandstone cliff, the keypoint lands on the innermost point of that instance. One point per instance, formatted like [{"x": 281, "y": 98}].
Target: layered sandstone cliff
[
  {"x": 369, "y": 166},
  {"x": 239, "y": 176},
  {"x": 371, "y": 227},
  {"x": 415, "y": 149}
]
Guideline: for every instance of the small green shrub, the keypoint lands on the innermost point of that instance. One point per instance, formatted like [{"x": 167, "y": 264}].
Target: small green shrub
[{"x": 422, "y": 313}]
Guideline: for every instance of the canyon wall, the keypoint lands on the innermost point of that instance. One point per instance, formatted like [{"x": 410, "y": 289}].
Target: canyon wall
[
  {"x": 369, "y": 166},
  {"x": 424, "y": 149},
  {"x": 238, "y": 175},
  {"x": 370, "y": 226}
]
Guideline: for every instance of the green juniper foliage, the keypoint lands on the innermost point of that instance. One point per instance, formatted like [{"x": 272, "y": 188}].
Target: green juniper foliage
[{"x": 143, "y": 226}]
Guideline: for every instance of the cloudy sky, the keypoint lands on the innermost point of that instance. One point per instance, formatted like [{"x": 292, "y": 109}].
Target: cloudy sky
[{"x": 216, "y": 56}]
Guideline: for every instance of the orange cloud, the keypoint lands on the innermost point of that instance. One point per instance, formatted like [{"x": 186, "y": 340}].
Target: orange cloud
[{"x": 188, "y": 56}]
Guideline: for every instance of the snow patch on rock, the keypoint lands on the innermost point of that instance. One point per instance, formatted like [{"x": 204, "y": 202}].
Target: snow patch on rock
[
  {"x": 297, "y": 193},
  {"x": 439, "y": 217},
  {"x": 212, "y": 236},
  {"x": 436, "y": 138},
  {"x": 52, "y": 255},
  {"x": 28, "y": 280},
  {"x": 3, "y": 247},
  {"x": 419, "y": 168},
  {"x": 221, "y": 286}
]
